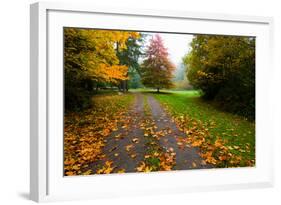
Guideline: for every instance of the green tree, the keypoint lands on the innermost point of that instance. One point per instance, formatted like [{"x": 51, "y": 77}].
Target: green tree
[
  {"x": 223, "y": 67},
  {"x": 134, "y": 79},
  {"x": 130, "y": 57}
]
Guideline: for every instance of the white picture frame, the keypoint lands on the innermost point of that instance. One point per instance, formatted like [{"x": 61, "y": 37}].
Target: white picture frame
[{"x": 47, "y": 182}]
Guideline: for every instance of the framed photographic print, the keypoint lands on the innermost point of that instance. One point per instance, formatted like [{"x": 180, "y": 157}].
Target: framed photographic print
[{"x": 127, "y": 102}]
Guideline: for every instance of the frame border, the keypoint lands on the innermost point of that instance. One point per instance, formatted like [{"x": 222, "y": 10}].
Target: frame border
[{"x": 39, "y": 76}]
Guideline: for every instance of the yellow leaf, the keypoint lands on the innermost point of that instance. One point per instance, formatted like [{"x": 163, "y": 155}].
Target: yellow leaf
[
  {"x": 133, "y": 156},
  {"x": 129, "y": 147},
  {"x": 147, "y": 169},
  {"x": 121, "y": 171},
  {"x": 108, "y": 163},
  {"x": 141, "y": 167},
  {"x": 179, "y": 143},
  {"x": 88, "y": 172},
  {"x": 70, "y": 173}
]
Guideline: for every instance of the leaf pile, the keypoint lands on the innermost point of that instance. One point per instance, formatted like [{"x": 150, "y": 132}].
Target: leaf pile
[
  {"x": 214, "y": 149},
  {"x": 85, "y": 132}
]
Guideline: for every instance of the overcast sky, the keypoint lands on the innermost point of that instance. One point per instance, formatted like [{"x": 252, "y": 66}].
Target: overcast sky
[{"x": 177, "y": 45}]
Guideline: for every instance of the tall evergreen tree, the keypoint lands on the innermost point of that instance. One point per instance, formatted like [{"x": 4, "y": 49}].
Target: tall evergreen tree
[{"x": 130, "y": 57}]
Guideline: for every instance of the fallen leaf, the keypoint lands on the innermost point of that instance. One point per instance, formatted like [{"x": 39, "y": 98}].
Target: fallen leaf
[
  {"x": 129, "y": 147},
  {"x": 88, "y": 172},
  {"x": 121, "y": 171},
  {"x": 179, "y": 143},
  {"x": 141, "y": 167},
  {"x": 133, "y": 156}
]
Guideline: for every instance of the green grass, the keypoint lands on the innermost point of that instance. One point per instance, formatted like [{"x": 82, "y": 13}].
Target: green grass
[{"x": 236, "y": 130}]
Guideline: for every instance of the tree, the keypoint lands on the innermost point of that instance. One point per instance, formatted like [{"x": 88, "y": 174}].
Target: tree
[
  {"x": 223, "y": 67},
  {"x": 157, "y": 70},
  {"x": 130, "y": 57},
  {"x": 90, "y": 60},
  {"x": 134, "y": 79}
]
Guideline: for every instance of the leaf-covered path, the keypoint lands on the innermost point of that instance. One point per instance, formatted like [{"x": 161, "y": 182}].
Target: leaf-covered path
[
  {"x": 125, "y": 146},
  {"x": 187, "y": 157},
  {"x": 148, "y": 141}
]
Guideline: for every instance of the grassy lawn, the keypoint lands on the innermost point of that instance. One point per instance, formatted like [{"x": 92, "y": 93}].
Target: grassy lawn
[{"x": 237, "y": 134}]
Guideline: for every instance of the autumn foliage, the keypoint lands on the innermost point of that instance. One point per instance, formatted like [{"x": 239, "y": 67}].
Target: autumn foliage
[
  {"x": 90, "y": 59},
  {"x": 85, "y": 133},
  {"x": 223, "y": 67},
  {"x": 157, "y": 70},
  {"x": 110, "y": 130}
]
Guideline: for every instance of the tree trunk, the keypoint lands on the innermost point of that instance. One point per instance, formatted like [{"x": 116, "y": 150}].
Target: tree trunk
[
  {"x": 123, "y": 86},
  {"x": 97, "y": 88},
  {"x": 158, "y": 90},
  {"x": 127, "y": 86}
]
